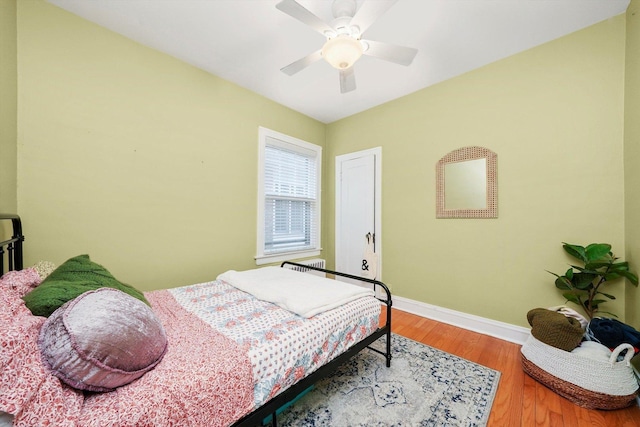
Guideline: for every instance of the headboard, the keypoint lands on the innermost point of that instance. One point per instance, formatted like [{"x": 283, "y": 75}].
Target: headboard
[{"x": 11, "y": 249}]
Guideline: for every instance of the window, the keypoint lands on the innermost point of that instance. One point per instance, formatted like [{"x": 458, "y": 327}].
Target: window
[{"x": 288, "y": 197}]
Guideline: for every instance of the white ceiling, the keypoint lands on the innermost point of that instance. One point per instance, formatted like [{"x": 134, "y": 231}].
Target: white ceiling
[{"x": 248, "y": 41}]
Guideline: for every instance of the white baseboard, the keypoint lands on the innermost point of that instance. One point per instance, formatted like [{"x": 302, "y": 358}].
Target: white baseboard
[{"x": 494, "y": 328}]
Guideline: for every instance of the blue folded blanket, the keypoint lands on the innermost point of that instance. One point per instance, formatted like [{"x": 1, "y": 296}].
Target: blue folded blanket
[{"x": 612, "y": 333}]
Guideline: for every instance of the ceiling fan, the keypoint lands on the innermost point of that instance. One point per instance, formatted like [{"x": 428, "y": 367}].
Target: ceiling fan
[{"x": 344, "y": 45}]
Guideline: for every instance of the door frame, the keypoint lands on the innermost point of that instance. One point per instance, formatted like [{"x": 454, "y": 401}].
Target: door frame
[{"x": 377, "y": 153}]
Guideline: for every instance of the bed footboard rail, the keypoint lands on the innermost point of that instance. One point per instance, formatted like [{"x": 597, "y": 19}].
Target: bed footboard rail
[
  {"x": 11, "y": 249},
  {"x": 269, "y": 408},
  {"x": 377, "y": 285}
]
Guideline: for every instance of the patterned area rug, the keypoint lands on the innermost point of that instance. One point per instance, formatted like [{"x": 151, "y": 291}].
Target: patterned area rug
[{"x": 423, "y": 387}]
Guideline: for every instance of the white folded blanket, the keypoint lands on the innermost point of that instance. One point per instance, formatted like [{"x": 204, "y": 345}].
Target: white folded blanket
[{"x": 301, "y": 293}]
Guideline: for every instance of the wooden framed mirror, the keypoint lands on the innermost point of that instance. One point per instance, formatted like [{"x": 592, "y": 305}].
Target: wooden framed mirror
[{"x": 467, "y": 184}]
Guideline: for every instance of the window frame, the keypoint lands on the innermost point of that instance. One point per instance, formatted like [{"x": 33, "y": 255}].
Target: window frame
[{"x": 268, "y": 137}]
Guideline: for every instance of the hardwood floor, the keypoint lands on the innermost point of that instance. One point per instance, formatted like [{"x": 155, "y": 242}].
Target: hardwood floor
[{"x": 520, "y": 401}]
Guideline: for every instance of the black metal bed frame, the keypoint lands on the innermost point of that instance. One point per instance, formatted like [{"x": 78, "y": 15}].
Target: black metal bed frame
[
  {"x": 256, "y": 417},
  {"x": 12, "y": 249}
]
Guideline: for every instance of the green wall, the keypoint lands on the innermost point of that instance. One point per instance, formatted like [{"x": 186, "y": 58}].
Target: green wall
[
  {"x": 554, "y": 116},
  {"x": 136, "y": 158},
  {"x": 8, "y": 107},
  {"x": 149, "y": 164},
  {"x": 632, "y": 156}
]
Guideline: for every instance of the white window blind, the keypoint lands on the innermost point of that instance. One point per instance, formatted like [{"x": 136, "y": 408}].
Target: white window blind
[{"x": 290, "y": 196}]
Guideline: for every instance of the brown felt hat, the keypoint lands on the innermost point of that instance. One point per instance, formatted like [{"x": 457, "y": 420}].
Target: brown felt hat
[{"x": 555, "y": 329}]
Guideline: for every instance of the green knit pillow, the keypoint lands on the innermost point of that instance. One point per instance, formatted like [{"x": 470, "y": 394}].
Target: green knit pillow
[{"x": 73, "y": 278}]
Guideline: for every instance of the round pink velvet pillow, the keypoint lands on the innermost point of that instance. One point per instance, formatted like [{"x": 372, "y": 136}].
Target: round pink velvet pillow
[{"x": 101, "y": 340}]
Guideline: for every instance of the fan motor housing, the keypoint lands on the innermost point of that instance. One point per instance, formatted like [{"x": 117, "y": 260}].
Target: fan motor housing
[{"x": 342, "y": 8}]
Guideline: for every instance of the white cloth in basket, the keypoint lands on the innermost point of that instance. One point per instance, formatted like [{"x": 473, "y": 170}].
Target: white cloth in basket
[{"x": 593, "y": 350}]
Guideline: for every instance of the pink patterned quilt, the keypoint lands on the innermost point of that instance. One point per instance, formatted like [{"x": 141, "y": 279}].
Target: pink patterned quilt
[
  {"x": 228, "y": 354},
  {"x": 282, "y": 347}
]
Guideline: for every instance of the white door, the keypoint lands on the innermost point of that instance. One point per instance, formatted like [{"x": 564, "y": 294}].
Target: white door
[{"x": 358, "y": 185}]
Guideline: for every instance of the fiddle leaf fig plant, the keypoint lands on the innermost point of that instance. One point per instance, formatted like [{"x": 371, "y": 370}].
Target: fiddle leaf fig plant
[{"x": 582, "y": 284}]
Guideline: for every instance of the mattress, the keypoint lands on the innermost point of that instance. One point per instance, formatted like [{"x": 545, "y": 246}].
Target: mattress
[{"x": 282, "y": 346}]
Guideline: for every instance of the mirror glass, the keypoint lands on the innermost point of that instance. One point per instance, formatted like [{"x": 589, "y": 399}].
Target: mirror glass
[{"x": 467, "y": 184}]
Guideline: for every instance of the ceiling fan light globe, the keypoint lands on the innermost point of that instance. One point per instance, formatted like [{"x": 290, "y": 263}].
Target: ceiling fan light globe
[{"x": 342, "y": 51}]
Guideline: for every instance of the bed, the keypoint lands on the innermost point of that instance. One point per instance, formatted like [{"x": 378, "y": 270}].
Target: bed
[{"x": 230, "y": 358}]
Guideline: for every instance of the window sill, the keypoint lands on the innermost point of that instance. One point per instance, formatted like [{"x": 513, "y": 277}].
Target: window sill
[{"x": 286, "y": 256}]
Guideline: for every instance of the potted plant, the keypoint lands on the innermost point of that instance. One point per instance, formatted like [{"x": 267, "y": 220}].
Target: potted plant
[{"x": 582, "y": 284}]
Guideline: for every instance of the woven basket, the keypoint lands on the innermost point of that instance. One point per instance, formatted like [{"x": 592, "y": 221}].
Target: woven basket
[{"x": 589, "y": 383}]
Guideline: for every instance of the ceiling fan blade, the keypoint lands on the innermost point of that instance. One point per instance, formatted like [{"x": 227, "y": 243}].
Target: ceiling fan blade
[
  {"x": 399, "y": 54},
  {"x": 347, "y": 80},
  {"x": 369, "y": 12},
  {"x": 302, "y": 63},
  {"x": 299, "y": 12}
]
